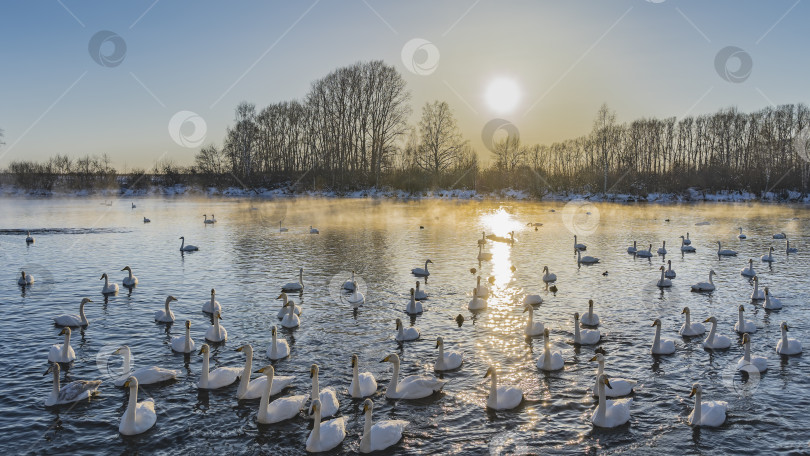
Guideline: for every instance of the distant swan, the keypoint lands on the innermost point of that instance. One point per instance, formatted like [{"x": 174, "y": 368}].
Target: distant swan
[
  {"x": 139, "y": 417},
  {"x": 590, "y": 318},
  {"x": 618, "y": 387},
  {"x": 645, "y": 253},
  {"x": 477, "y": 302},
  {"x": 295, "y": 286},
  {"x": 502, "y": 397},
  {"x": 184, "y": 343},
  {"x": 550, "y": 360},
  {"x": 670, "y": 274},
  {"x": 748, "y": 271},
  {"x": 207, "y": 220},
  {"x": 419, "y": 272},
  {"x": 757, "y": 294},
  {"x": 73, "y": 319},
  {"x": 768, "y": 258},
  {"x": 72, "y": 392},
  {"x": 419, "y": 294},
  {"x": 705, "y": 286},
  {"x": 414, "y": 307},
  {"x": 483, "y": 239},
  {"x": 357, "y": 299},
  {"x": 710, "y": 413},
  {"x": 382, "y": 435},
  {"x": 144, "y": 375},
  {"x": 691, "y": 329},
  {"x": 533, "y": 300},
  {"x": 166, "y": 315},
  {"x": 771, "y": 303},
  {"x": 632, "y": 249},
  {"x": 363, "y": 383},
  {"x": 412, "y": 386},
  {"x": 663, "y": 282},
  {"x": 663, "y": 249},
  {"x": 146, "y": 220},
  {"x": 748, "y": 361},
  {"x": 327, "y": 435},
  {"x": 584, "y": 336},
  {"x": 29, "y": 239},
  {"x": 446, "y": 360},
  {"x": 216, "y": 332},
  {"x": 548, "y": 277},
  {"x": 661, "y": 346},
  {"x": 610, "y": 413},
  {"x": 686, "y": 240},
  {"x": 25, "y": 279},
  {"x": 217, "y": 378},
  {"x": 686, "y": 248},
  {"x": 187, "y": 248},
  {"x": 130, "y": 280},
  {"x": 586, "y": 259},
  {"x": 788, "y": 248},
  {"x": 741, "y": 235},
  {"x": 253, "y": 389},
  {"x": 781, "y": 235},
  {"x": 313, "y": 230},
  {"x": 787, "y": 346},
  {"x": 744, "y": 326},
  {"x": 281, "y": 229},
  {"x": 281, "y": 409},
  {"x": 533, "y": 328},
  {"x": 109, "y": 288},
  {"x": 715, "y": 341},
  {"x": 290, "y": 320},
  {"x": 279, "y": 348},
  {"x": 284, "y": 311},
  {"x": 481, "y": 291},
  {"x": 579, "y": 246},
  {"x": 62, "y": 353},
  {"x": 483, "y": 256},
  {"x": 327, "y": 396},
  {"x": 724, "y": 252},
  {"x": 349, "y": 284},
  {"x": 212, "y": 305}
]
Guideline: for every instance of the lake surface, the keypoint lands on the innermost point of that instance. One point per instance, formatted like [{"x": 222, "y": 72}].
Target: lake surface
[{"x": 247, "y": 259}]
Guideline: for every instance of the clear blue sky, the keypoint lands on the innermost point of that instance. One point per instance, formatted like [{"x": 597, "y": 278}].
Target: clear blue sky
[{"x": 644, "y": 58}]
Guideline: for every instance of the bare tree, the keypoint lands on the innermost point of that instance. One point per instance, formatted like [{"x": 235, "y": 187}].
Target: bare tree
[{"x": 441, "y": 141}]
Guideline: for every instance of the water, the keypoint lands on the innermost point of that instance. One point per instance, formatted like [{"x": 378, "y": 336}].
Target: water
[{"x": 247, "y": 259}]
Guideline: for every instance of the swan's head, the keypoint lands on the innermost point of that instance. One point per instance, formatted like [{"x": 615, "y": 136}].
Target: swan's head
[
  {"x": 355, "y": 360},
  {"x": 491, "y": 371},
  {"x": 756, "y": 279},
  {"x": 399, "y": 323},
  {"x": 576, "y": 316},
  {"x": 188, "y": 324},
  {"x": 170, "y": 298},
  {"x": 439, "y": 342},
  {"x": 696, "y": 389},
  {"x": 315, "y": 406},
  {"x": 604, "y": 379},
  {"x": 766, "y": 291},
  {"x": 367, "y": 405},
  {"x": 657, "y": 322},
  {"x": 741, "y": 308},
  {"x": 245, "y": 348},
  {"x": 266, "y": 370},
  {"x": 126, "y": 268},
  {"x": 599, "y": 357},
  {"x": 784, "y": 326},
  {"x": 182, "y": 237},
  {"x": 54, "y": 367},
  {"x": 711, "y": 320},
  {"x": 545, "y": 268},
  {"x": 669, "y": 262},
  {"x": 300, "y": 270},
  {"x": 131, "y": 382},
  {"x": 23, "y": 274},
  {"x": 103, "y": 276},
  {"x": 65, "y": 331},
  {"x": 313, "y": 370},
  {"x": 121, "y": 350},
  {"x": 213, "y": 292},
  {"x": 273, "y": 331},
  {"x": 478, "y": 280},
  {"x": 528, "y": 308},
  {"x": 428, "y": 261},
  {"x": 218, "y": 315},
  {"x": 86, "y": 300},
  {"x": 745, "y": 339},
  {"x": 685, "y": 311},
  {"x": 545, "y": 333},
  {"x": 661, "y": 268},
  {"x": 204, "y": 349},
  {"x": 412, "y": 291},
  {"x": 392, "y": 358},
  {"x": 712, "y": 273}
]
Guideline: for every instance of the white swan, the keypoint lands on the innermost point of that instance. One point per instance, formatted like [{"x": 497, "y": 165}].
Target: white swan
[
  {"x": 73, "y": 319},
  {"x": 757, "y": 294},
  {"x": 477, "y": 302},
  {"x": 280, "y": 409},
  {"x": 691, "y": 329},
  {"x": 749, "y": 362},
  {"x": 724, "y": 252},
  {"x": 253, "y": 389},
  {"x": 586, "y": 259},
  {"x": 781, "y": 235},
  {"x": 357, "y": 299},
  {"x": 404, "y": 334},
  {"x": 532, "y": 300},
  {"x": 590, "y": 318},
  {"x": 313, "y": 230},
  {"x": 548, "y": 277},
  {"x": 549, "y": 360},
  {"x": 419, "y": 272},
  {"x": 446, "y": 360},
  {"x": 787, "y": 346},
  {"x": 212, "y": 305},
  {"x": 109, "y": 288},
  {"x": 144, "y": 375},
  {"x": 290, "y": 320},
  {"x": 532, "y": 328},
  {"x": 645, "y": 253},
  {"x": 610, "y": 413},
  {"x": 130, "y": 280},
  {"x": 663, "y": 282},
  {"x": 184, "y": 343},
  {"x": 663, "y": 249},
  {"x": 278, "y": 349},
  {"x": 381, "y": 435},
  {"x": 741, "y": 235},
  {"x": 327, "y": 396},
  {"x": 25, "y": 279},
  {"x": 284, "y": 311},
  {"x": 686, "y": 240},
  {"x": 748, "y": 271},
  {"x": 216, "y": 332},
  {"x": 633, "y": 249},
  {"x": 744, "y": 326},
  {"x": 502, "y": 397},
  {"x": 326, "y": 435},
  {"x": 482, "y": 291},
  {"x": 670, "y": 274},
  {"x": 29, "y": 239},
  {"x": 788, "y": 248},
  {"x": 62, "y": 353},
  {"x": 715, "y": 341},
  {"x": 771, "y": 303},
  {"x": 363, "y": 383},
  {"x": 578, "y": 246},
  {"x": 618, "y": 387},
  {"x": 139, "y": 417},
  {"x": 349, "y": 284},
  {"x": 705, "y": 286},
  {"x": 585, "y": 336},
  {"x": 166, "y": 315},
  {"x": 483, "y": 256},
  {"x": 187, "y": 248},
  {"x": 710, "y": 413},
  {"x": 217, "y": 378},
  {"x": 686, "y": 247},
  {"x": 419, "y": 294},
  {"x": 768, "y": 258},
  {"x": 295, "y": 286},
  {"x": 412, "y": 386},
  {"x": 661, "y": 346},
  {"x": 74, "y": 391},
  {"x": 414, "y": 307}
]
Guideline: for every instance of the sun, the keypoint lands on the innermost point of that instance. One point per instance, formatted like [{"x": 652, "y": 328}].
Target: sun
[{"x": 502, "y": 94}]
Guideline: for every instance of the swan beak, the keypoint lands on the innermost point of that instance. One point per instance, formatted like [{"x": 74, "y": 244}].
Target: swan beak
[
  {"x": 786, "y": 327},
  {"x": 653, "y": 324},
  {"x": 607, "y": 383},
  {"x": 219, "y": 316},
  {"x": 707, "y": 320},
  {"x": 242, "y": 348},
  {"x": 202, "y": 350},
  {"x": 683, "y": 311},
  {"x": 278, "y": 297},
  {"x": 594, "y": 358},
  {"x": 489, "y": 371},
  {"x": 126, "y": 384},
  {"x": 693, "y": 392},
  {"x": 62, "y": 333},
  {"x": 437, "y": 344},
  {"x": 311, "y": 373},
  {"x": 386, "y": 359},
  {"x": 50, "y": 368},
  {"x": 353, "y": 362},
  {"x": 365, "y": 408}
]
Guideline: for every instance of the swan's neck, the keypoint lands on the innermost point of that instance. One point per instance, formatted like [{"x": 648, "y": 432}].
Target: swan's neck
[
  {"x": 291, "y": 312},
  {"x": 133, "y": 404},
  {"x": 81, "y": 314},
  {"x": 657, "y": 339},
  {"x": 130, "y": 273},
  {"x": 127, "y": 361},
  {"x": 301, "y": 277},
  {"x": 412, "y": 305},
  {"x": 56, "y": 386},
  {"x": 601, "y": 409},
  {"x": 265, "y": 401},
  {"x": 492, "y": 400},
  {"x": 441, "y": 355},
  {"x": 216, "y": 324},
  {"x": 401, "y": 332},
  {"x": 188, "y": 339},
  {"x": 316, "y": 390},
  {"x": 710, "y": 279},
  {"x": 365, "y": 441},
  {"x": 662, "y": 275},
  {"x": 204, "y": 373},
  {"x": 590, "y": 312},
  {"x": 740, "y": 320},
  {"x": 669, "y": 266},
  {"x": 214, "y": 300},
  {"x": 106, "y": 281},
  {"x": 182, "y": 243},
  {"x": 355, "y": 381},
  {"x": 599, "y": 371},
  {"x": 747, "y": 355},
  {"x": 531, "y": 318},
  {"x": 66, "y": 346},
  {"x": 274, "y": 345},
  {"x": 711, "y": 333},
  {"x": 426, "y": 269},
  {"x": 395, "y": 377},
  {"x": 576, "y": 331},
  {"x": 696, "y": 414},
  {"x": 244, "y": 382},
  {"x": 168, "y": 312},
  {"x": 316, "y": 428},
  {"x": 756, "y": 287},
  {"x": 784, "y": 339},
  {"x": 547, "y": 354}
]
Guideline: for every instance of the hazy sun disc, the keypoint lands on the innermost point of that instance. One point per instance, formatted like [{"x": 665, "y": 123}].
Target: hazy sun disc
[{"x": 502, "y": 95}]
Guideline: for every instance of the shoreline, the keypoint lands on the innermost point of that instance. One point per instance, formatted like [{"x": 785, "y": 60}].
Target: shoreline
[{"x": 691, "y": 195}]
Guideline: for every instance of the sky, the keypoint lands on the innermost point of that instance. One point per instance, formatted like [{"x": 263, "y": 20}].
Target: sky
[{"x": 152, "y": 80}]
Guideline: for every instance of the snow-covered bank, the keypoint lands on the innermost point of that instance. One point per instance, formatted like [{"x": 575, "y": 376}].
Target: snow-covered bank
[{"x": 690, "y": 195}]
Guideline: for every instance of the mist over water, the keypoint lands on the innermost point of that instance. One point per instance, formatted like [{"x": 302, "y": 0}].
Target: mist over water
[{"x": 247, "y": 259}]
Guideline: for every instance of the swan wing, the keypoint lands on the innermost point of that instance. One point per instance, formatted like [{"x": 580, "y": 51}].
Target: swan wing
[
  {"x": 332, "y": 433},
  {"x": 149, "y": 375},
  {"x": 68, "y": 320},
  {"x": 713, "y": 413},
  {"x": 509, "y": 397},
  {"x": 77, "y": 390},
  {"x": 223, "y": 376},
  {"x": 386, "y": 433}
]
